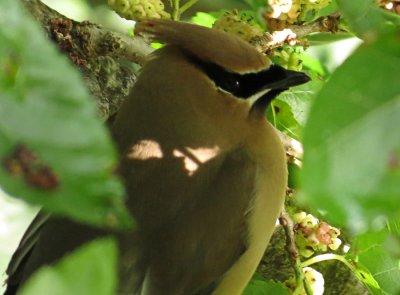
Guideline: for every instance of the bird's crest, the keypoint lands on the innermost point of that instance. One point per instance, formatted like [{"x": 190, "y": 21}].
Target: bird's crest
[{"x": 209, "y": 45}]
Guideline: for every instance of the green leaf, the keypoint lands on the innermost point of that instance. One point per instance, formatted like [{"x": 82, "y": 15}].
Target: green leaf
[
  {"x": 293, "y": 175},
  {"x": 326, "y": 38},
  {"x": 328, "y": 10},
  {"x": 255, "y": 4},
  {"x": 258, "y": 286},
  {"x": 300, "y": 97},
  {"x": 364, "y": 275},
  {"x": 366, "y": 18},
  {"x": 370, "y": 249},
  {"x": 92, "y": 269},
  {"x": 312, "y": 15},
  {"x": 314, "y": 66},
  {"x": 291, "y": 108},
  {"x": 392, "y": 243},
  {"x": 54, "y": 149},
  {"x": 282, "y": 117},
  {"x": 352, "y": 142},
  {"x": 204, "y": 19}
]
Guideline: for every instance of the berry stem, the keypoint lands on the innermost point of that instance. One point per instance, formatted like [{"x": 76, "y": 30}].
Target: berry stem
[
  {"x": 187, "y": 5},
  {"x": 327, "y": 256},
  {"x": 176, "y": 10}
]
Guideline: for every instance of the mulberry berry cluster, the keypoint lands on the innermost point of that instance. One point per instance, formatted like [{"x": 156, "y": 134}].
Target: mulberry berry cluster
[
  {"x": 313, "y": 235},
  {"x": 239, "y": 24},
  {"x": 139, "y": 9},
  {"x": 289, "y": 57},
  {"x": 292, "y": 11}
]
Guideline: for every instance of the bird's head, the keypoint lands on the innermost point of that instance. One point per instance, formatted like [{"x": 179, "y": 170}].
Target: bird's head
[{"x": 233, "y": 66}]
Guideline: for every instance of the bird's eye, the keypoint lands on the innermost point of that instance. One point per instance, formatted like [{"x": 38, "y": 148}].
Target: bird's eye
[
  {"x": 231, "y": 85},
  {"x": 236, "y": 84}
]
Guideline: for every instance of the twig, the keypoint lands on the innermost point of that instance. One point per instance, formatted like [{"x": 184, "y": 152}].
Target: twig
[
  {"x": 291, "y": 248},
  {"x": 293, "y": 33},
  {"x": 175, "y": 10},
  {"x": 293, "y": 148},
  {"x": 328, "y": 23}
]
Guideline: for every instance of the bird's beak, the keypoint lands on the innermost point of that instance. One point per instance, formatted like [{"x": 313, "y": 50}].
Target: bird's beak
[
  {"x": 272, "y": 90},
  {"x": 292, "y": 78}
]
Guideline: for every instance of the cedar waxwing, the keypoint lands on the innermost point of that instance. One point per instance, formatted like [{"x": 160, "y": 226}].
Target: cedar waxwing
[{"x": 205, "y": 172}]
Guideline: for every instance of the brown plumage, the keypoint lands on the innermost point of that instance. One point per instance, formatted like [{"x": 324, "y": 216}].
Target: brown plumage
[{"x": 204, "y": 171}]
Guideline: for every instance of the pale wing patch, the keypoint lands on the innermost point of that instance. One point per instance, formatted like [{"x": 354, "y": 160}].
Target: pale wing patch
[
  {"x": 145, "y": 150},
  {"x": 250, "y": 100},
  {"x": 193, "y": 158}
]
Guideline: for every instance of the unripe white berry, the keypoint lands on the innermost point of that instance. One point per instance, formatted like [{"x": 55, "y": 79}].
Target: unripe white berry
[
  {"x": 315, "y": 279},
  {"x": 298, "y": 217},
  {"x": 335, "y": 244}
]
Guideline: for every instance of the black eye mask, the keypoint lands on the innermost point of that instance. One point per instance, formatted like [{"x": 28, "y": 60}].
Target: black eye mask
[{"x": 245, "y": 85}]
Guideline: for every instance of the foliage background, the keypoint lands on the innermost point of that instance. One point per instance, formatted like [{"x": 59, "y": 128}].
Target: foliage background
[{"x": 350, "y": 178}]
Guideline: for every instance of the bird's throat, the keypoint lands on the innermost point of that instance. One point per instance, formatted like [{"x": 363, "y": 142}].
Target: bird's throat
[{"x": 260, "y": 105}]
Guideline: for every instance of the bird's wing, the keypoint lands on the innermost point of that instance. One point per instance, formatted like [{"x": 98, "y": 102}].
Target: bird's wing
[
  {"x": 191, "y": 253},
  {"x": 46, "y": 240},
  {"x": 188, "y": 254},
  {"x": 20, "y": 256}
]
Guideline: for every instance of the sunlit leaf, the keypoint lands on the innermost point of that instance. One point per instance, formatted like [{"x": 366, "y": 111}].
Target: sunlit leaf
[
  {"x": 315, "y": 66},
  {"x": 204, "y": 19}
]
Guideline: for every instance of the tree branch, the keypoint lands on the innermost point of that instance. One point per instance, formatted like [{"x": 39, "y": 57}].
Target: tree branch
[
  {"x": 100, "y": 54},
  {"x": 292, "y": 34},
  {"x": 100, "y": 41}
]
